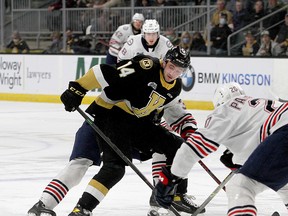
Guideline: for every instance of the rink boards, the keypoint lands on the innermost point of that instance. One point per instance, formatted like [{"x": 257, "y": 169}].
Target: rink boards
[{"x": 42, "y": 78}]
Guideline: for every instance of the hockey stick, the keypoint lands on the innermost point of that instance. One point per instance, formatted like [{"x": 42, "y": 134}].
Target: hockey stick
[
  {"x": 215, "y": 192},
  {"x": 210, "y": 173},
  {"x": 120, "y": 153}
]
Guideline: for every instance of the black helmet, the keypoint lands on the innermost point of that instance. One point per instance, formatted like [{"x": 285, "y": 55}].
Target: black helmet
[{"x": 178, "y": 56}]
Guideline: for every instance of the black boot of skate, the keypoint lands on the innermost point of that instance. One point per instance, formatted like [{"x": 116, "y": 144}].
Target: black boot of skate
[
  {"x": 39, "y": 210},
  {"x": 79, "y": 211},
  {"x": 156, "y": 210},
  {"x": 184, "y": 203}
]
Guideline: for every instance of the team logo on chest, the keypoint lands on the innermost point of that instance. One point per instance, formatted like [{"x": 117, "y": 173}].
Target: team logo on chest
[
  {"x": 156, "y": 100},
  {"x": 146, "y": 63}
]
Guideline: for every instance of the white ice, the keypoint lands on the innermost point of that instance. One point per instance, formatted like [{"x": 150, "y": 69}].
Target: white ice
[{"x": 35, "y": 144}]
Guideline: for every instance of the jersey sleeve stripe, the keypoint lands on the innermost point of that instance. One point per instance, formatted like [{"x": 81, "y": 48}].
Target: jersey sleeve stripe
[
  {"x": 200, "y": 145},
  {"x": 186, "y": 121},
  {"x": 272, "y": 120},
  {"x": 99, "y": 76},
  {"x": 208, "y": 144}
]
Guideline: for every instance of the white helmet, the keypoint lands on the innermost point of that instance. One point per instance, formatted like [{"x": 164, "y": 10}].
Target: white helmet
[
  {"x": 151, "y": 26},
  {"x": 138, "y": 16},
  {"x": 225, "y": 92}
]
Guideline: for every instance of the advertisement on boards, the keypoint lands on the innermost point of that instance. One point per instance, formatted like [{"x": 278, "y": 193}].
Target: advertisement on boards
[
  {"x": 11, "y": 73},
  {"x": 42, "y": 75},
  {"x": 255, "y": 75}
]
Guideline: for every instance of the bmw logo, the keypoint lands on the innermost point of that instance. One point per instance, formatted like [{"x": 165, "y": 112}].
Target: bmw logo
[{"x": 188, "y": 79}]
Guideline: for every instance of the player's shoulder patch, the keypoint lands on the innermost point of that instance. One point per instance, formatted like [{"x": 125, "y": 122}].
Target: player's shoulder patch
[
  {"x": 146, "y": 63},
  {"x": 118, "y": 34},
  {"x": 130, "y": 41},
  {"x": 169, "y": 44},
  {"x": 125, "y": 27}
]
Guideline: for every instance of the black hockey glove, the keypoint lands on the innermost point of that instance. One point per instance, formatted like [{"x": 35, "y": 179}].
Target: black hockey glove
[
  {"x": 226, "y": 159},
  {"x": 72, "y": 97},
  {"x": 164, "y": 190}
]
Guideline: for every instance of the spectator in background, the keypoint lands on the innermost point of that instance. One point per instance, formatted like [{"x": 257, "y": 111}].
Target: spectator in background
[
  {"x": 105, "y": 18},
  {"x": 58, "y": 5},
  {"x": 7, "y": 6},
  {"x": 17, "y": 44},
  {"x": 56, "y": 44},
  {"x": 282, "y": 36},
  {"x": 108, "y": 4},
  {"x": 250, "y": 47},
  {"x": 76, "y": 44},
  {"x": 198, "y": 46},
  {"x": 54, "y": 18},
  {"x": 221, "y": 8},
  {"x": 273, "y": 5},
  {"x": 142, "y": 3},
  {"x": 147, "y": 12},
  {"x": 239, "y": 16},
  {"x": 166, "y": 20},
  {"x": 268, "y": 46},
  {"x": 165, "y": 3},
  {"x": 186, "y": 41},
  {"x": 219, "y": 35},
  {"x": 172, "y": 36},
  {"x": 257, "y": 12}
]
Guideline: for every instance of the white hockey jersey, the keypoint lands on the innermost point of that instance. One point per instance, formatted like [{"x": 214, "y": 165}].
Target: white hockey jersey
[
  {"x": 136, "y": 44},
  {"x": 240, "y": 125},
  {"x": 119, "y": 37}
]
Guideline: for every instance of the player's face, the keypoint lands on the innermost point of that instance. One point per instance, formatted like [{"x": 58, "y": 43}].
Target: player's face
[
  {"x": 151, "y": 38},
  {"x": 172, "y": 71},
  {"x": 137, "y": 24}
]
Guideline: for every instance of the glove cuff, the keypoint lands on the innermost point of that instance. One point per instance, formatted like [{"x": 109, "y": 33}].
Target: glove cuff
[
  {"x": 77, "y": 88},
  {"x": 167, "y": 178}
]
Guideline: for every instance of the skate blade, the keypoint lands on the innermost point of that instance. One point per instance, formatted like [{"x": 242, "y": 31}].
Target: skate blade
[
  {"x": 41, "y": 214},
  {"x": 157, "y": 211}
]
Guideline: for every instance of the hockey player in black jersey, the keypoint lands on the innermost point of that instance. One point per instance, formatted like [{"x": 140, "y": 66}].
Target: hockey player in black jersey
[{"x": 133, "y": 94}]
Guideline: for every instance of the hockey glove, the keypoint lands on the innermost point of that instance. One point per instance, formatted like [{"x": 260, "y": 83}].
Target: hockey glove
[
  {"x": 165, "y": 189},
  {"x": 73, "y": 96},
  {"x": 226, "y": 159}
]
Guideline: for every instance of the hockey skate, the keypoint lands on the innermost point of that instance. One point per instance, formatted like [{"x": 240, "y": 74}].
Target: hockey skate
[
  {"x": 184, "y": 203},
  {"x": 79, "y": 211},
  {"x": 39, "y": 210},
  {"x": 181, "y": 202},
  {"x": 156, "y": 210}
]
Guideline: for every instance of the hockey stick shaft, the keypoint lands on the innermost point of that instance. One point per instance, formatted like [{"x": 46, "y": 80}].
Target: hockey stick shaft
[
  {"x": 120, "y": 153},
  {"x": 211, "y": 173},
  {"x": 214, "y": 193}
]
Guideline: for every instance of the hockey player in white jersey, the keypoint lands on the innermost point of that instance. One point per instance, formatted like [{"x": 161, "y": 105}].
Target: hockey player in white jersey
[
  {"x": 121, "y": 35},
  {"x": 149, "y": 43},
  {"x": 255, "y": 131}
]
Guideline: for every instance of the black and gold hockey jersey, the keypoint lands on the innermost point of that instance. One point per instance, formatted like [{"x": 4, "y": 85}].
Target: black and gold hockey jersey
[{"x": 138, "y": 87}]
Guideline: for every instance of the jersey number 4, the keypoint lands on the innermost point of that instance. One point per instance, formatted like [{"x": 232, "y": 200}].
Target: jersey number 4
[{"x": 126, "y": 71}]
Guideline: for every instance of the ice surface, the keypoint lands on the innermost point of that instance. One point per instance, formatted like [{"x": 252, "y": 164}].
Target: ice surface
[{"x": 35, "y": 143}]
